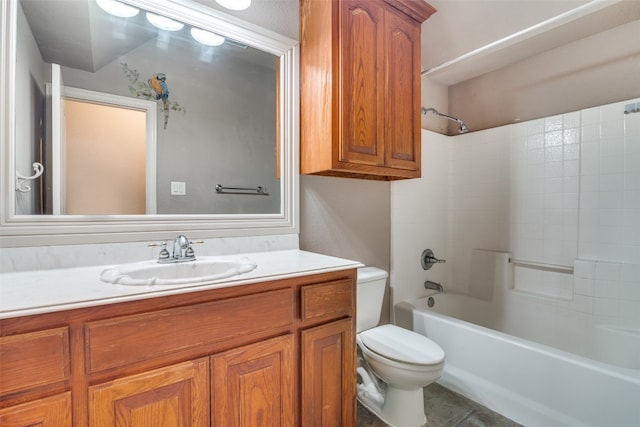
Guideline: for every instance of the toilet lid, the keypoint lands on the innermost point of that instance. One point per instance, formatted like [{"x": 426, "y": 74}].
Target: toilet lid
[{"x": 402, "y": 345}]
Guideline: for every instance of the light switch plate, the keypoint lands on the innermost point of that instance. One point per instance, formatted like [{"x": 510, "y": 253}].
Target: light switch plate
[{"x": 178, "y": 188}]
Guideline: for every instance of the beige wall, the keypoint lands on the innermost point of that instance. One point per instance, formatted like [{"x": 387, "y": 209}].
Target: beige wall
[
  {"x": 105, "y": 155},
  {"x": 597, "y": 70},
  {"x": 347, "y": 218}
]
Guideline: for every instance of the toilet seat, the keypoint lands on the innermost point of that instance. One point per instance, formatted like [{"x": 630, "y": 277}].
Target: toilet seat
[{"x": 402, "y": 345}]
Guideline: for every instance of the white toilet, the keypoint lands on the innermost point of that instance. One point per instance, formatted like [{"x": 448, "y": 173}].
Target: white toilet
[{"x": 394, "y": 363}]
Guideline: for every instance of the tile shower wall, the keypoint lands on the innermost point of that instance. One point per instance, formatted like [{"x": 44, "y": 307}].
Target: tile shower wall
[
  {"x": 575, "y": 201},
  {"x": 544, "y": 189},
  {"x": 563, "y": 190},
  {"x": 607, "y": 272},
  {"x": 420, "y": 219}
]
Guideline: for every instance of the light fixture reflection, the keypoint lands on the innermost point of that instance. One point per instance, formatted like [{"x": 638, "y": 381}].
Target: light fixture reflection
[
  {"x": 207, "y": 38},
  {"x": 234, "y": 4},
  {"x": 164, "y": 23},
  {"x": 117, "y": 8}
]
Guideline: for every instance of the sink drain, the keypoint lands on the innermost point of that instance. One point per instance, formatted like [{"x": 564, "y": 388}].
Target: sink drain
[{"x": 431, "y": 302}]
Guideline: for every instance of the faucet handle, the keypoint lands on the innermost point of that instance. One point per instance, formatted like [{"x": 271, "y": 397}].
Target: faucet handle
[
  {"x": 189, "y": 253},
  {"x": 164, "y": 253},
  {"x": 428, "y": 259}
]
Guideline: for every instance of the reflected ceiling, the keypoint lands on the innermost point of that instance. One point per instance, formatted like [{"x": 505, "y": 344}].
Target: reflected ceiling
[{"x": 80, "y": 28}]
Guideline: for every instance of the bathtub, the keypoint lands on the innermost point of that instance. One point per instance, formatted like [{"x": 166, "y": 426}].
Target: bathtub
[{"x": 533, "y": 384}]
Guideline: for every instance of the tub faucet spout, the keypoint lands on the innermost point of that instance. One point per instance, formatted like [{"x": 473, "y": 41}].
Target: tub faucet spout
[{"x": 433, "y": 286}]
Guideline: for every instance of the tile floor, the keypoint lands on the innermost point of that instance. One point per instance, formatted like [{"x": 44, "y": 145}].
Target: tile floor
[{"x": 446, "y": 409}]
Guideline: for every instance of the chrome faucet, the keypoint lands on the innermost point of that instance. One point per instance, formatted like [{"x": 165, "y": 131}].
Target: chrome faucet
[
  {"x": 433, "y": 286},
  {"x": 180, "y": 246},
  {"x": 182, "y": 251}
]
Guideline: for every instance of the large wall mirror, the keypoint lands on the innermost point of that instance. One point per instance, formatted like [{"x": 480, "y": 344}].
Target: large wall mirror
[{"x": 130, "y": 124}]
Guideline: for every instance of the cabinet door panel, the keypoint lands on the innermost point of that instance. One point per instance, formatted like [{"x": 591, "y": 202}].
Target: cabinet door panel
[
  {"x": 402, "y": 128},
  {"x": 253, "y": 386},
  {"x": 52, "y": 411},
  {"x": 35, "y": 359},
  {"x": 362, "y": 47},
  {"x": 328, "y": 380},
  {"x": 174, "y": 396}
]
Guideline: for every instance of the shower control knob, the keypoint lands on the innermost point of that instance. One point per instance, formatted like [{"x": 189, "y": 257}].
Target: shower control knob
[{"x": 428, "y": 259}]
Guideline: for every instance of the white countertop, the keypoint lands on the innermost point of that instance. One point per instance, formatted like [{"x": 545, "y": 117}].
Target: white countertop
[{"x": 43, "y": 291}]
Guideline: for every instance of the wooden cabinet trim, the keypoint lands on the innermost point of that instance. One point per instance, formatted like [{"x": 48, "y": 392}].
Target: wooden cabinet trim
[{"x": 418, "y": 10}]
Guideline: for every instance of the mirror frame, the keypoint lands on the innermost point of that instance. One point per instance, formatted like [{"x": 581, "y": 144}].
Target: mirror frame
[{"x": 39, "y": 230}]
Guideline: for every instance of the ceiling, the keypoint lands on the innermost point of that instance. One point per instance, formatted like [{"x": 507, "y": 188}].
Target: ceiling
[
  {"x": 505, "y": 31},
  {"x": 464, "y": 39}
]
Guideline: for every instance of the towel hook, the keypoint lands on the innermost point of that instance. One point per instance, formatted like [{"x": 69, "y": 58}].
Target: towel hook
[{"x": 22, "y": 181}]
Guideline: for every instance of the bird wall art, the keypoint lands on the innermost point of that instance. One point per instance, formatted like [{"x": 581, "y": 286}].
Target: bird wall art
[{"x": 154, "y": 88}]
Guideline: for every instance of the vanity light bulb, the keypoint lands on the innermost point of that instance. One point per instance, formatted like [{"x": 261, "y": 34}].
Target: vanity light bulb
[
  {"x": 207, "y": 38},
  {"x": 117, "y": 8},
  {"x": 164, "y": 23},
  {"x": 234, "y": 4}
]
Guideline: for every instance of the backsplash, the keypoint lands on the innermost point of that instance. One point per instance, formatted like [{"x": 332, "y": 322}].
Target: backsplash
[{"x": 69, "y": 256}]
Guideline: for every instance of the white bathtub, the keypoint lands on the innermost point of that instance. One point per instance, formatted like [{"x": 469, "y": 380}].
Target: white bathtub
[{"x": 531, "y": 383}]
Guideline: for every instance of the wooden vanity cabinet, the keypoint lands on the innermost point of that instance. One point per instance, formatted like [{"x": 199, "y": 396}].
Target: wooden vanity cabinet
[
  {"x": 360, "y": 87},
  {"x": 278, "y": 353},
  {"x": 328, "y": 354}
]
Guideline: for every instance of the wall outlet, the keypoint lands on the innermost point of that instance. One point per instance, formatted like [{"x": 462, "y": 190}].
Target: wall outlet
[{"x": 178, "y": 188}]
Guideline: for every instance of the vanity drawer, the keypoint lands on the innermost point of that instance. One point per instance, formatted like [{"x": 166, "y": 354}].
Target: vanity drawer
[
  {"x": 206, "y": 327},
  {"x": 33, "y": 360},
  {"x": 327, "y": 301}
]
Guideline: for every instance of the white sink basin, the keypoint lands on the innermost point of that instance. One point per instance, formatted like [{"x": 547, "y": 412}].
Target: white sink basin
[{"x": 201, "y": 271}]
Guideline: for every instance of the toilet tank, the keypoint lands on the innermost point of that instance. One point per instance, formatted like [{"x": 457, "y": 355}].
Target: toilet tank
[{"x": 370, "y": 289}]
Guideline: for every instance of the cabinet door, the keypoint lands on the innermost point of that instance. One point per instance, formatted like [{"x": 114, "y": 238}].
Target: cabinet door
[
  {"x": 402, "y": 112},
  {"x": 362, "y": 68},
  {"x": 174, "y": 396},
  {"x": 328, "y": 375},
  {"x": 253, "y": 386},
  {"x": 52, "y": 411}
]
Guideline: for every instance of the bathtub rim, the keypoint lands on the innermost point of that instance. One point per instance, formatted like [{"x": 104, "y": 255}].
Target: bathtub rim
[{"x": 627, "y": 374}]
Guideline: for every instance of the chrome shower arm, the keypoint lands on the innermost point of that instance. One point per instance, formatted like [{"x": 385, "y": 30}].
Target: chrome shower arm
[{"x": 463, "y": 127}]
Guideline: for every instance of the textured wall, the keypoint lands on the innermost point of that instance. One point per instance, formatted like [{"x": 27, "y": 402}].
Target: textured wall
[{"x": 347, "y": 218}]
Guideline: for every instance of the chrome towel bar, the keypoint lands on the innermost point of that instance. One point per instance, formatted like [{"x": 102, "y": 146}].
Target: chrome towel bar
[
  {"x": 256, "y": 191},
  {"x": 557, "y": 268}
]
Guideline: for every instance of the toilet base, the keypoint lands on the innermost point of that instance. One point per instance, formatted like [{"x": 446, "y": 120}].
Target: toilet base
[{"x": 401, "y": 408}]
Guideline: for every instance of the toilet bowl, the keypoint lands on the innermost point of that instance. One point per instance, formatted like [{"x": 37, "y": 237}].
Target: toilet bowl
[{"x": 394, "y": 364}]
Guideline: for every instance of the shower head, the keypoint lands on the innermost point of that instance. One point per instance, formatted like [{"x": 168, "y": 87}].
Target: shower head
[{"x": 463, "y": 127}]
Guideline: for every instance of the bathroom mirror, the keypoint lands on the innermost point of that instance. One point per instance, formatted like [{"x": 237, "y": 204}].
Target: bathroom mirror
[{"x": 217, "y": 155}]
